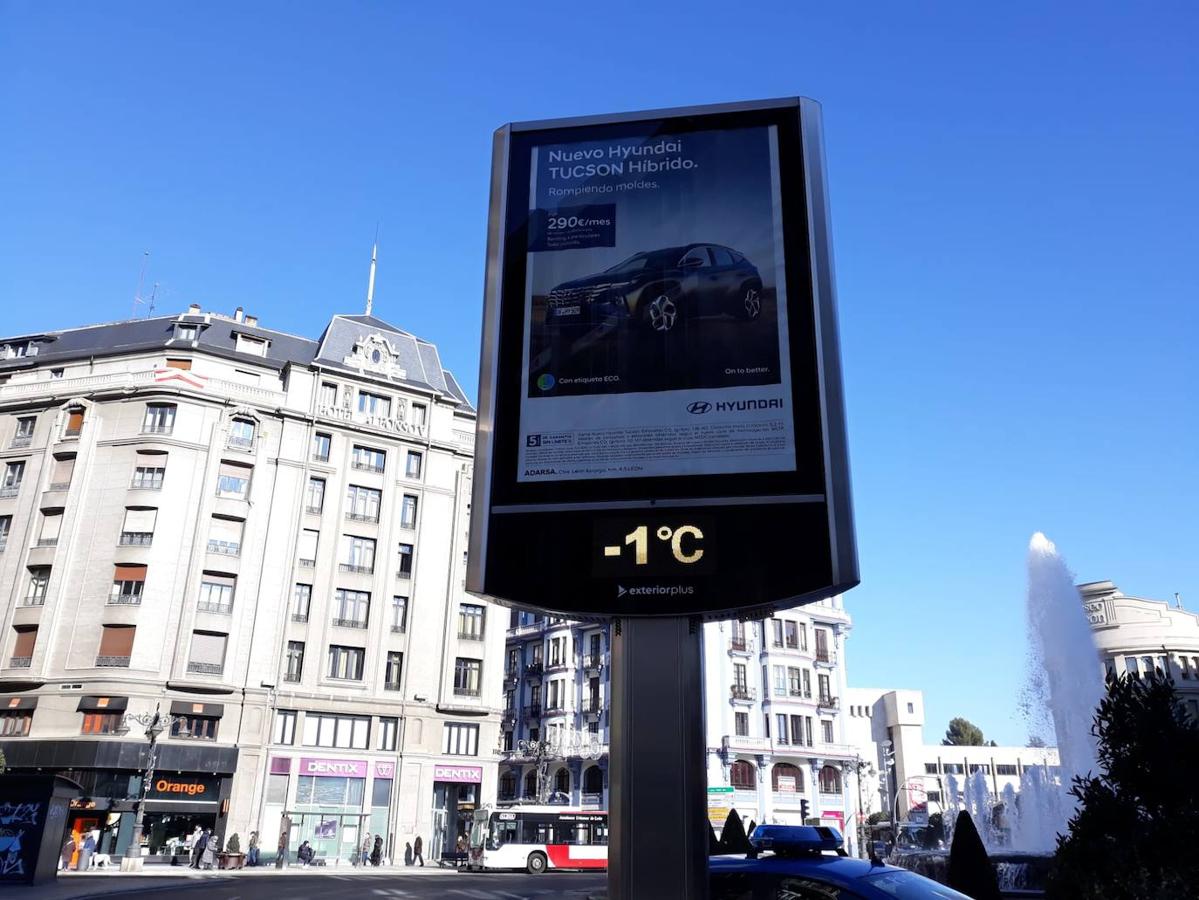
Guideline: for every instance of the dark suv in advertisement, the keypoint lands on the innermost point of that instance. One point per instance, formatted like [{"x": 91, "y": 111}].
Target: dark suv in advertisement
[{"x": 654, "y": 289}]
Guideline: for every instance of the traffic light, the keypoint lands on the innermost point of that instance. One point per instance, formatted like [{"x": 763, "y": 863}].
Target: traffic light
[{"x": 803, "y": 811}]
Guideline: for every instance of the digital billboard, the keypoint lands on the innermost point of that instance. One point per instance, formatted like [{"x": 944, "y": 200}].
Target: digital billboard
[{"x": 661, "y": 429}]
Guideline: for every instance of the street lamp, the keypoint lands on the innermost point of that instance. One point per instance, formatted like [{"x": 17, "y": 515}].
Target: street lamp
[{"x": 155, "y": 725}]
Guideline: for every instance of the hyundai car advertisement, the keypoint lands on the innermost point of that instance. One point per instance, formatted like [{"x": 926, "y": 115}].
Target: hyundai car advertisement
[{"x": 656, "y": 309}]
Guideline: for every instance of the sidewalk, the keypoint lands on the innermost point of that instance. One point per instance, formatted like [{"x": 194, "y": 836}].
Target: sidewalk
[{"x": 113, "y": 882}]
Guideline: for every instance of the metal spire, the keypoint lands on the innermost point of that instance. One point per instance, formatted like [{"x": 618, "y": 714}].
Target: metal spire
[{"x": 370, "y": 287}]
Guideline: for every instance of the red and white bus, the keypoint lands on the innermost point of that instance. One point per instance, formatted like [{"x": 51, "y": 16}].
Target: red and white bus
[{"x": 537, "y": 838}]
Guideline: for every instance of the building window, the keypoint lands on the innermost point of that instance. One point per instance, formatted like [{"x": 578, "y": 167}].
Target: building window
[
  {"x": 363, "y": 503},
  {"x": 195, "y": 728},
  {"x": 405, "y": 564},
  {"x": 822, "y": 652},
  {"x": 953, "y": 768},
  {"x": 16, "y": 723},
  {"x": 5, "y": 530},
  {"x": 830, "y": 780},
  {"x": 781, "y": 737},
  {"x": 101, "y": 722},
  {"x": 741, "y": 724},
  {"x": 807, "y": 683},
  {"x": 22, "y": 648},
  {"x": 207, "y": 653},
  {"x": 183, "y": 365},
  {"x": 216, "y": 593},
  {"x": 241, "y": 434},
  {"x": 1006, "y": 769},
  {"x": 74, "y": 422},
  {"x": 14, "y": 474},
  {"x": 420, "y": 414},
  {"x": 826, "y": 731},
  {"x": 116, "y": 646},
  {"x": 60, "y": 474},
  {"x": 39, "y": 580},
  {"x": 328, "y": 394},
  {"x": 138, "y": 529},
  {"x": 408, "y": 512},
  {"x": 225, "y": 535},
  {"x": 57, "y": 373},
  {"x": 23, "y": 436},
  {"x": 930, "y": 768},
  {"x": 412, "y": 466},
  {"x": 294, "y": 661},
  {"x": 389, "y": 730},
  {"x": 797, "y": 731},
  {"x": 285, "y": 727},
  {"x": 791, "y": 630},
  {"x": 186, "y": 332},
  {"x": 825, "y": 690},
  {"x": 786, "y": 779},
  {"x": 314, "y": 497},
  {"x": 127, "y": 585},
  {"x": 399, "y": 614},
  {"x": 321, "y": 445},
  {"x": 358, "y": 554},
  {"x": 794, "y": 687},
  {"x": 368, "y": 459},
  {"x": 470, "y": 621},
  {"x": 342, "y": 732},
  {"x": 301, "y": 602},
  {"x": 346, "y": 663},
  {"x": 149, "y": 471},
  {"x": 251, "y": 345},
  {"x": 374, "y": 404},
  {"x": 393, "y": 670},
  {"x": 233, "y": 481},
  {"x": 460, "y": 739},
  {"x": 351, "y": 609},
  {"x": 743, "y": 776},
  {"x": 468, "y": 675},
  {"x": 306, "y": 552},
  {"x": 159, "y": 418},
  {"x": 51, "y": 525}
]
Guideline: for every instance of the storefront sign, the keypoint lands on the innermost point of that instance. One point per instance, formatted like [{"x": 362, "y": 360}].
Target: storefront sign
[
  {"x": 460, "y": 774},
  {"x": 184, "y": 787},
  {"x": 660, "y": 410},
  {"x": 786, "y": 784},
  {"x": 348, "y": 768}
]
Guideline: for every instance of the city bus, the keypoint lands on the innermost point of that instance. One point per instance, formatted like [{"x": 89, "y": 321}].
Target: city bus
[{"x": 537, "y": 838}]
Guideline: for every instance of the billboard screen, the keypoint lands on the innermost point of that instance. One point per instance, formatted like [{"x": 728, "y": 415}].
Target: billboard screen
[
  {"x": 655, "y": 308},
  {"x": 660, "y": 425}
]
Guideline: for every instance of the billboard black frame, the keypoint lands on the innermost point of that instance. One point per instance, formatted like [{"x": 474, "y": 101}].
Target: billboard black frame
[{"x": 821, "y": 474}]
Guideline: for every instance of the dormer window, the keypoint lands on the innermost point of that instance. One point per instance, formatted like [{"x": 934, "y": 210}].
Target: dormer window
[
  {"x": 252, "y": 345},
  {"x": 187, "y": 331},
  {"x": 21, "y": 349}
]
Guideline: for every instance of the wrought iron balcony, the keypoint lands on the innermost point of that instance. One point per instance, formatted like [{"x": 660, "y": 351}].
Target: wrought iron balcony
[
  {"x": 511, "y": 680},
  {"x": 470, "y": 635},
  {"x": 363, "y": 517},
  {"x": 136, "y": 538},
  {"x": 21, "y": 441},
  {"x": 355, "y": 569},
  {"x": 593, "y": 663},
  {"x": 366, "y": 466},
  {"x": 534, "y": 669},
  {"x": 828, "y": 702},
  {"x": 738, "y": 644},
  {"x": 10, "y": 490},
  {"x": 466, "y": 691},
  {"x": 203, "y": 668},
  {"x": 307, "y": 563},
  {"x": 225, "y": 548},
  {"x": 112, "y": 662},
  {"x": 743, "y": 693},
  {"x": 350, "y": 623},
  {"x": 236, "y": 442},
  {"x": 123, "y": 599},
  {"x": 508, "y": 718},
  {"x": 532, "y": 711},
  {"x": 225, "y": 609},
  {"x": 292, "y": 677}
]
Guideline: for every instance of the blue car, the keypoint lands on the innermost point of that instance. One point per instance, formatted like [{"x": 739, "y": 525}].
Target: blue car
[{"x": 804, "y": 862}]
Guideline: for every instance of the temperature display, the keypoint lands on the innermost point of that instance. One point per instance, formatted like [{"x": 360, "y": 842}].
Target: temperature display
[{"x": 678, "y": 545}]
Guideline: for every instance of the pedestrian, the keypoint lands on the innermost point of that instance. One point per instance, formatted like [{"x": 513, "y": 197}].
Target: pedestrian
[
  {"x": 207, "y": 849},
  {"x": 252, "y": 853},
  {"x": 68, "y": 850},
  {"x": 407, "y": 854},
  {"x": 305, "y": 854},
  {"x": 417, "y": 855},
  {"x": 377, "y": 851},
  {"x": 281, "y": 854},
  {"x": 85, "y": 854},
  {"x": 365, "y": 851},
  {"x": 197, "y": 848}
]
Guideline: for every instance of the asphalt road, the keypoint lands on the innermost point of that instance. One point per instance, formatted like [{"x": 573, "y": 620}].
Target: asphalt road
[{"x": 475, "y": 886}]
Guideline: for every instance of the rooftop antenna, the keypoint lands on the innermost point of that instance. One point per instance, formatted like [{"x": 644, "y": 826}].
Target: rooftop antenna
[
  {"x": 1177, "y": 600},
  {"x": 137, "y": 297},
  {"x": 370, "y": 286},
  {"x": 150, "y": 307}
]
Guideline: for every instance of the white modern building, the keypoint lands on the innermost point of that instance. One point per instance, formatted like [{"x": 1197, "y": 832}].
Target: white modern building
[
  {"x": 263, "y": 537},
  {"x": 1135, "y": 636},
  {"x": 774, "y": 703},
  {"x": 906, "y": 778}
]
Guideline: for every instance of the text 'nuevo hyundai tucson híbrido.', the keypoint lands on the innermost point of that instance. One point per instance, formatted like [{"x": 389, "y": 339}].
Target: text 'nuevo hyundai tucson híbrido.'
[{"x": 658, "y": 287}]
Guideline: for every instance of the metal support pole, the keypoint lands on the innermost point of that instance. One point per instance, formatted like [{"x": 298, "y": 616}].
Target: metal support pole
[{"x": 658, "y": 846}]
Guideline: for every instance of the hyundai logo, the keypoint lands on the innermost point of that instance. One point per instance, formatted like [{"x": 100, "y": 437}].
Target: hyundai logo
[{"x": 699, "y": 407}]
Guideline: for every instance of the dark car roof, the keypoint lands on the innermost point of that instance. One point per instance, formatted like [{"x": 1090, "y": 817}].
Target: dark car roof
[{"x": 843, "y": 871}]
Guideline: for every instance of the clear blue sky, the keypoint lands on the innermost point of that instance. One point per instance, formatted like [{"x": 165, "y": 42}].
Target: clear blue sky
[{"x": 1014, "y": 194}]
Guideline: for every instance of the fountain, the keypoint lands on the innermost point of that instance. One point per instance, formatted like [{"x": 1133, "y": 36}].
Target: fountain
[{"x": 1065, "y": 685}]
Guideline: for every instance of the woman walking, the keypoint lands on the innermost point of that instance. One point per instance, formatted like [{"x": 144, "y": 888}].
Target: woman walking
[
  {"x": 417, "y": 855},
  {"x": 365, "y": 852},
  {"x": 208, "y": 854},
  {"x": 377, "y": 851}
]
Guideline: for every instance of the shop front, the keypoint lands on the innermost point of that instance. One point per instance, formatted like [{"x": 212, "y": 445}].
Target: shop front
[{"x": 456, "y": 792}]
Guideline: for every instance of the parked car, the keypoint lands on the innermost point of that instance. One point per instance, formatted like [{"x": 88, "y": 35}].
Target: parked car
[
  {"x": 656, "y": 288},
  {"x": 803, "y": 861}
]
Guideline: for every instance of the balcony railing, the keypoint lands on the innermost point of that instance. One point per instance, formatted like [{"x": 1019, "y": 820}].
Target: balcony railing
[
  {"x": 146, "y": 484},
  {"x": 470, "y": 635},
  {"x": 404, "y": 573},
  {"x": 136, "y": 538},
  {"x": 508, "y": 717},
  {"x": 203, "y": 668},
  {"x": 307, "y": 563},
  {"x": 292, "y": 677},
  {"x": 225, "y": 609},
  {"x": 511, "y": 679},
  {"x": 314, "y": 510},
  {"x": 157, "y": 429},
  {"x": 299, "y": 617},
  {"x": 391, "y": 686},
  {"x": 10, "y": 490},
  {"x": 466, "y": 691},
  {"x": 741, "y": 692},
  {"x": 593, "y": 662},
  {"x": 826, "y": 657},
  {"x": 363, "y": 517},
  {"x": 21, "y": 662},
  {"x": 350, "y": 623},
  {"x": 591, "y": 706},
  {"x": 398, "y": 629},
  {"x": 555, "y": 708},
  {"x": 366, "y": 466},
  {"x": 112, "y": 662},
  {"x": 241, "y": 443},
  {"x": 788, "y": 799},
  {"x": 71, "y": 432},
  {"x": 58, "y": 486},
  {"x": 3, "y": 543},
  {"x": 355, "y": 569},
  {"x": 34, "y": 600},
  {"x": 534, "y": 669},
  {"x": 225, "y": 548},
  {"x": 124, "y": 599},
  {"x": 21, "y": 441},
  {"x": 47, "y": 542},
  {"x": 320, "y": 457},
  {"x": 827, "y": 702},
  {"x": 745, "y": 744},
  {"x": 532, "y": 711},
  {"x": 738, "y": 643}
]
